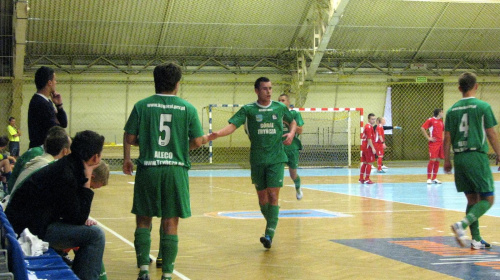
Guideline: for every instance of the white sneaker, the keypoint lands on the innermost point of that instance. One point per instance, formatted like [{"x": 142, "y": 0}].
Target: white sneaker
[
  {"x": 429, "y": 181},
  {"x": 459, "y": 233},
  {"x": 435, "y": 181},
  {"x": 299, "y": 194},
  {"x": 478, "y": 245},
  {"x": 384, "y": 167}
]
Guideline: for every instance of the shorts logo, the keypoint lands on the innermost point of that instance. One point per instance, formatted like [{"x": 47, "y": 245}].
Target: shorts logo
[
  {"x": 258, "y": 118},
  {"x": 275, "y": 117}
]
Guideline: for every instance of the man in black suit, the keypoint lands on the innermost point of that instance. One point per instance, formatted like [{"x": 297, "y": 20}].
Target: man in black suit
[{"x": 41, "y": 113}]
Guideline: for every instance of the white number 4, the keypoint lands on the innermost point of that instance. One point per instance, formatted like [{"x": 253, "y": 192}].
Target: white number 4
[
  {"x": 165, "y": 118},
  {"x": 464, "y": 125}
]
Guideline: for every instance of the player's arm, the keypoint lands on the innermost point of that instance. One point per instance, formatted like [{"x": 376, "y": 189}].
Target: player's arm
[
  {"x": 291, "y": 134},
  {"x": 447, "y": 151},
  {"x": 128, "y": 165},
  {"x": 493, "y": 138},
  {"x": 227, "y": 130},
  {"x": 424, "y": 132},
  {"x": 197, "y": 142},
  {"x": 299, "y": 130}
]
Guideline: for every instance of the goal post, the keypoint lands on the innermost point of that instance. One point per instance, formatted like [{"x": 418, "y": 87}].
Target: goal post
[{"x": 330, "y": 137}]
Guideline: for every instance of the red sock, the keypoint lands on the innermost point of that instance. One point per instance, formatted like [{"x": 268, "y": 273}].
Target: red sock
[
  {"x": 368, "y": 171},
  {"x": 379, "y": 163},
  {"x": 430, "y": 167},
  {"x": 362, "y": 171},
  {"x": 435, "y": 170}
]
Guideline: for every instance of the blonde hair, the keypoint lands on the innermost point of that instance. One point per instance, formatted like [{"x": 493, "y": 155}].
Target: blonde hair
[{"x": 101, "y": 173}]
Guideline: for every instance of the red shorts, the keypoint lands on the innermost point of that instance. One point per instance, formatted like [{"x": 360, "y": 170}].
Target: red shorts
[
  {"x": 379, "y": 147},
  {"x": 367, "y": 156},
  {"x": 436, "y": 150}
]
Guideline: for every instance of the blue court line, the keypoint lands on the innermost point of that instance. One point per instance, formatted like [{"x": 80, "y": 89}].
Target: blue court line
[
  {"x": 306, "y": 172},
  {"x": 443, "y": 196}
]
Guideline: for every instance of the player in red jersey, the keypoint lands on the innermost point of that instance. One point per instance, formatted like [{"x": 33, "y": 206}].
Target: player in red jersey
[
  {"x": 380, "y": 142},
  {"x": 435, "y": 126},
  {"x": 367, "y": 151}
]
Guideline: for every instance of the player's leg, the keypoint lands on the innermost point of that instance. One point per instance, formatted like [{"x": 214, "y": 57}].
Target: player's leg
[
  {"x": 370, "y": 158},
  {"x": 257, "y": 173},
  {"x": 439, "y": 155},
  {"x": 145, "y": 206},
  {"x": 362, "y": 169},
  {"x": 175, "y": 204},
  {"x": 293, "y": 164},
  {"x": 274, "y": 178}
]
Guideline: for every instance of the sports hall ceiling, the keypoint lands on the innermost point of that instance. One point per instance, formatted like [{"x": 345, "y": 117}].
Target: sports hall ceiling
[{"x": 242, "y": 36}]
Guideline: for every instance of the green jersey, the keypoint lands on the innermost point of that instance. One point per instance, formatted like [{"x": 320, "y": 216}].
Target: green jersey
[
  {"x": 164, "y": 125},
  {"x": 264, "y": 126},
  {"x": 296, "y": 144},
  {"x": 21, "y": 162},
  {"x": 467, "y": 121}
]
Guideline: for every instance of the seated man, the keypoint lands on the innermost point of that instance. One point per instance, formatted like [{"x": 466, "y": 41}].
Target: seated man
[
  {"x": 55, "y": 134},
  {"x": 57, "y": 145},
  {"x": 54, "y": 204},
  {"x": 5, "y": 164}
]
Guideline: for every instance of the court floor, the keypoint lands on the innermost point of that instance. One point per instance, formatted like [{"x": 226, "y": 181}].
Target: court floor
[{"x": 397, "y": 228}]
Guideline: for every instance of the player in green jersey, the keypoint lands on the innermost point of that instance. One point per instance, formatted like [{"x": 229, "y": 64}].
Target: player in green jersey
[
  {"x": 292, "y": 151},
  {"x": 165, "y": 127},
  {"x": 468, "y": 123},
  {"x": 264, "y": 123}
]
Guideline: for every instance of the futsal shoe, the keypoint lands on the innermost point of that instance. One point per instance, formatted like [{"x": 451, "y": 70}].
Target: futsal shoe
[
  {"x": 266, "y": 241},
  {"x": 459, "y": 232},
  {"x": 436, "y": 181},
  {"x": 299, "y": 194},
  {"x": 478, "y": 245},
  {"x": 381, "y": 171},
  {"x": 361, "y": 181},
  {"x": 384, "y": 167},
  {"x": 144, "y": 277},
  {"x": 159, "y": 262},
  {"x": 429, "y": 181},
  {"x": 368, "y": 182}
]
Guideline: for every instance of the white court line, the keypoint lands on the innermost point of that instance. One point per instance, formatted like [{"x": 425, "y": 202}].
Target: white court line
[{"x": 182, "y": 276}]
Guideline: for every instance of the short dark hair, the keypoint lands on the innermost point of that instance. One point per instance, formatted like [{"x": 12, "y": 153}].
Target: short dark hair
[
  {"x": 166, "y": 77},
  {"x": 11, "y": 118},
  {"x": 371, "y": 115},
  {"x": 86, "y": 144},
  {"x": 285, "y": 95},
  {"x": 42, "y": 76},
  {"x": 467, "y": 81},
  {"x": 57, "y": 139},
  {"x": 260, "y": 80},
  {"x": 437, "y": 111},
  {"x": 3, "y": 141}
]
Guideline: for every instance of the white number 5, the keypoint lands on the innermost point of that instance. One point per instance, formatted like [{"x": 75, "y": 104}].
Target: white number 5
[
  {"x": 165, "y": 118},
  {"x": 464, "y": 125}
]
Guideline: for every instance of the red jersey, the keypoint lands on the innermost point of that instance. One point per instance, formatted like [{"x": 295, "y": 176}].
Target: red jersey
[
  {"x": 368, "y": 133},
  {"x": 435, "y": 127},
  {"x": 379, "y": 134}
]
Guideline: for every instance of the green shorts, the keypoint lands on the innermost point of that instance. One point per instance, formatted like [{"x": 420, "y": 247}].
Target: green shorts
[
  {"x": 473, "y": 173},
  {"x": 267, "y": 175},
  {"x": 161, "y": 191},
  {"x": 293, "y": 158}
]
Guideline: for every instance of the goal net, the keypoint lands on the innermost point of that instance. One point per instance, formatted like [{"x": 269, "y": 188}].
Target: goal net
[{"x": 330, "y": 137}]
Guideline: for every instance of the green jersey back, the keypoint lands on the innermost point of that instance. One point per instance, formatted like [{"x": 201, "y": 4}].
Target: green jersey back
[
  {"x": 296, "y": 144},
  {"x": 467, "y": 121},
  {"x": 164, "y": 125},
  {"x": 264, "y": 125}
]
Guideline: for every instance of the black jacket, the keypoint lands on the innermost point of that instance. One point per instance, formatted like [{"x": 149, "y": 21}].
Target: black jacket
[
  {"x": 53, "y": 193},
  {"x": 41, "y": 117}
]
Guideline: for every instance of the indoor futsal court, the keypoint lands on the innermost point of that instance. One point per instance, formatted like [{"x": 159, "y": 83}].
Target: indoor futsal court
[
  {"x": 337, "y": 61},
  {"x": 397, "y": 228}
]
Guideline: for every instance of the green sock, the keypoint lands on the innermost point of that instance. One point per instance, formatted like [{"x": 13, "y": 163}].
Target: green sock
[
  {"x": 475, "y": 212},
  {"x": 142, "y": 244},
  {"x": 264, "y": 209},
  {"x": 272, "y": 222},
  {"x": 474, "y": 227},
  {"x": 103, "y": 275},
  {"x": 160, "y": 250},
  {"x": 297, "y": 182},
  {"x": 170, "y": 246}
]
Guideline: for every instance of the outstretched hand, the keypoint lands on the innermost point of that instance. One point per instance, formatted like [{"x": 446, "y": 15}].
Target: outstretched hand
[
  {"x": 289, "y": 139},
  {"x": 212, "y": 136}
]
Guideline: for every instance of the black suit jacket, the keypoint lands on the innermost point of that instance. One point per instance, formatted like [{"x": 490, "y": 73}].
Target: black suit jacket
[{"x": 41, "y": 117}]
